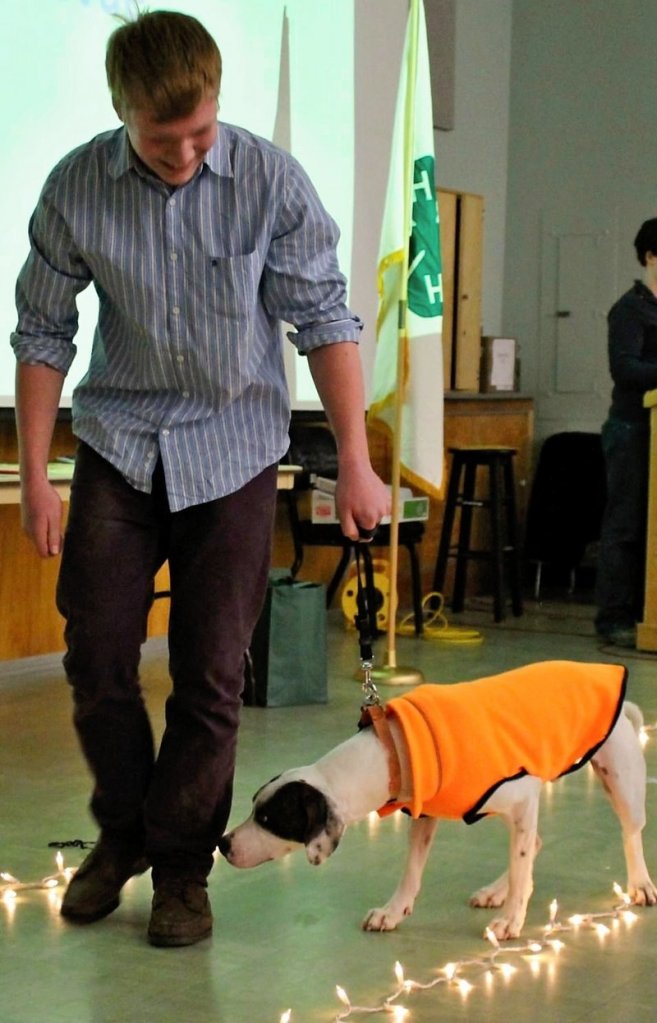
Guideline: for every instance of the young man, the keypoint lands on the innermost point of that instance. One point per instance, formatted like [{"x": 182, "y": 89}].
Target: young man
[
  {"x": 625, "y": 441},
  {"x": 199, "y": 239}
]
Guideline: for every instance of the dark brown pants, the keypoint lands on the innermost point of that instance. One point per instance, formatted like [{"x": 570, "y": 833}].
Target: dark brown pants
[{"x": 219, "y": 554}]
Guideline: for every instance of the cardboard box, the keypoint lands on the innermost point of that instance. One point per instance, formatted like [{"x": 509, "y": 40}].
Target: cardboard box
[
  {"x": 413, "y": 509},
  {"x": 498, "y": 365}
]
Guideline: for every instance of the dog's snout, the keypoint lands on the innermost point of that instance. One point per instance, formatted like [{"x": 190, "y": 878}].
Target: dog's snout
[{"x": 224, "y": 845}]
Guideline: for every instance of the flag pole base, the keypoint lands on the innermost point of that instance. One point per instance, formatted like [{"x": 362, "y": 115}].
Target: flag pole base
[{"x": 393, "y": 676}]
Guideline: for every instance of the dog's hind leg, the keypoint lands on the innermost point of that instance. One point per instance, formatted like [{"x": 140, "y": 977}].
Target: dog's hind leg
[
  {"x": 401, "y": 903},
  {"x": 503, "y": 803},
  {"x": 517, "y": 802},
  {"x": 621, "y": 768}
]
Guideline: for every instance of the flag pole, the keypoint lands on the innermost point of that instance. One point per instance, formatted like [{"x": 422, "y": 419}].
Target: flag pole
[{"x": 391, "y": 673}]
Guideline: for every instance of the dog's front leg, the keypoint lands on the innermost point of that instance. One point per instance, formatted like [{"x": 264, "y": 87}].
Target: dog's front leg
[
  {"x": 401, "y": 904},
  {"x": 523, "y": 824}
]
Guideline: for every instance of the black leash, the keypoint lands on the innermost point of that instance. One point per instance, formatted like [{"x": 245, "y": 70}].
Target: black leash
[
  {"x": 372, "y": 710},
  {"x": 363, "y": 623}
]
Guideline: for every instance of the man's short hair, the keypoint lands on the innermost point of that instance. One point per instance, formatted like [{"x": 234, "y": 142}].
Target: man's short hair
[
  {"x": 163, "y": 61},
  {"x": 646, "y": 240}
]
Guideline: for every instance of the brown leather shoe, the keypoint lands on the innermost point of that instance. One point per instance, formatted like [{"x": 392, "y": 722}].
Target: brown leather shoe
[
  {"x": 181, "y": 913},
  {"x": 94, "y": 890}
]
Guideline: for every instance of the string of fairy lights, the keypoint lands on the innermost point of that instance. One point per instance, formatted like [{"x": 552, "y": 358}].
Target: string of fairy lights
[{"x": 460, "y": 976}]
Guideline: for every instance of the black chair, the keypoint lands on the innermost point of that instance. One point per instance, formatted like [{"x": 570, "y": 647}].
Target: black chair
[
  {"x": 312, "y": 446},
  {"x": 566, "y": 503}
]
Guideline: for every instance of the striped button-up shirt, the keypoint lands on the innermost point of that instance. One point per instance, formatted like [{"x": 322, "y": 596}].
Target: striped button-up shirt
[{"x": 193, "y": 284}]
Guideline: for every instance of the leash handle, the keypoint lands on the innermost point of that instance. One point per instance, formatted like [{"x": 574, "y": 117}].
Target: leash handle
[{"x": 362, "y": 622}]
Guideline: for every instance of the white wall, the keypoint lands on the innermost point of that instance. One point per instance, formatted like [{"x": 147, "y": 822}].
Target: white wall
[
  {"x": 554, "y": 108},
  {"x": 582, "y": 157},
  {"x": 472, "y": 157}
]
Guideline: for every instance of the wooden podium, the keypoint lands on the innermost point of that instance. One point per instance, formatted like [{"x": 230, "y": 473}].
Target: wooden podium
[{"x": 646, "y": 635}]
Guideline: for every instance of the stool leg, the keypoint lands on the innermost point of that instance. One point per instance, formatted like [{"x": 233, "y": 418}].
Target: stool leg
[
  {"x": 416, "y": 588},
  {"x": 497, "y": 541},
  {"x": 465, "y": 527},
  {"x": 448, "y": 525},
  {"x": 512, "y": 534}
]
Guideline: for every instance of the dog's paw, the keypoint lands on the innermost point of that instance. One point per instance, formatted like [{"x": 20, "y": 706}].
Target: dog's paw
[
  {"x": 492, "y": 896},
  {"x": 643, "y": 894},
  {"x": 384, "y": 919},
  {"x": 504, "y": 928}
]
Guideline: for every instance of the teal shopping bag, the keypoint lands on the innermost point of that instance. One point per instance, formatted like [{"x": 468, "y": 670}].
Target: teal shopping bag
[{"x": 287, "y": 663}]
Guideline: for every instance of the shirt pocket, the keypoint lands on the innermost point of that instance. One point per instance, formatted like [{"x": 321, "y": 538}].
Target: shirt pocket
[{"x": 233, "y": 283}]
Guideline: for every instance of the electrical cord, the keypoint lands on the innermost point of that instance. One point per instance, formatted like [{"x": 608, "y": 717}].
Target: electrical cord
[{"x": 435, "y": 625}]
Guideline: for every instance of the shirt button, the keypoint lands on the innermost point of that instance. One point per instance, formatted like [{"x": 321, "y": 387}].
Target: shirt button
[
  {"x": 175, "y": 310},
  {"x": 180, "y": 358},
  {"x": 165, "y": 433},
  {"x": 173, "y": 256},
  {"x": 185, "y": 394},
  {"x": 172, "y": 202}
]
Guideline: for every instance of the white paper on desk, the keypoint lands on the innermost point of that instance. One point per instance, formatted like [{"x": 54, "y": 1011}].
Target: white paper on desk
[{"x": 503, "y": 361}]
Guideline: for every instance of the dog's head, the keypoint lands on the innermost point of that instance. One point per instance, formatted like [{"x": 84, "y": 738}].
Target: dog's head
[{"x": 288, "y": 813}]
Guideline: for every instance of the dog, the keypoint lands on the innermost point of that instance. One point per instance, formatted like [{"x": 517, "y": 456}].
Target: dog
[{"x": 492, "y": 744}]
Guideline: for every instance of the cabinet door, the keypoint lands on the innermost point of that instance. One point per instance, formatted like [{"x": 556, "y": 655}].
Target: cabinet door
[
  {"x": 447, "y": 215},
  {"x": 461, "y": 243},
  {"x": 467, "y": 332}
]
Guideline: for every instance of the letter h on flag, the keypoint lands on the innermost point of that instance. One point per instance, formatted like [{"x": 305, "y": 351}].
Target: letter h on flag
[{"x": 407, "y": 387}]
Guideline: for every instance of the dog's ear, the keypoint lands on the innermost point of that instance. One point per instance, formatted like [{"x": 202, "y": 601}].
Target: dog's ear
[
  {"x": 326, "y": 841},
  {"x": 325, "y": 828},
  {"x": 300, "y": 812}
]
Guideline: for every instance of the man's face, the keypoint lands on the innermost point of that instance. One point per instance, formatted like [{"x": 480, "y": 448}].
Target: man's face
[{"x": 173, "y": 150}]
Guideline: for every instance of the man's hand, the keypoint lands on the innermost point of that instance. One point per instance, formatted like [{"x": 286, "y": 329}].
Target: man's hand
[
  {"x": 361, "y": 498},
  {"x": 41, "y": 513}
]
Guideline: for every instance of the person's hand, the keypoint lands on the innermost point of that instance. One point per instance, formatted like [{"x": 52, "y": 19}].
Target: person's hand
[
  {"x": 41, "y": 513},
  {"x": 361, "y": 499}
]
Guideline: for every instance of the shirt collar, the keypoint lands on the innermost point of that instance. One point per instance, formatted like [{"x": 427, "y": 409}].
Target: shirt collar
[
  {"x": 219, "y": 156},
  {"x": 124, "y": 158}
]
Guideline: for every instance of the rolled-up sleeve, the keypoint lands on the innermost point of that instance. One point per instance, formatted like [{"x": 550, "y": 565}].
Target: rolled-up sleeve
[
  {"x": 302, "y": 283},
  {"x": 46, "y": 289}
]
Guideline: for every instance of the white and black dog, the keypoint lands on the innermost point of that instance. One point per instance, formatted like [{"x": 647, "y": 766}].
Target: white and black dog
[{"x": 496, "y": 740}]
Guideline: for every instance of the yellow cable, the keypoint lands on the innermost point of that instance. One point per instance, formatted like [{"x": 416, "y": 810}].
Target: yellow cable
[{"x": 436, "y": 626}]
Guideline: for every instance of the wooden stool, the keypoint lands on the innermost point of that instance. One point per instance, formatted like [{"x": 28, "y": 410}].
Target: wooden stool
[{"x": 501, "y": 505}]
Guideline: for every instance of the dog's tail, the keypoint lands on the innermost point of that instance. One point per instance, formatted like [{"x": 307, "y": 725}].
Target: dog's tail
[{"x": 635, "y": 715}]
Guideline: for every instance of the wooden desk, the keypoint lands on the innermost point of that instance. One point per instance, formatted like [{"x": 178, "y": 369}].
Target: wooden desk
[
  {"x": 646, "y": 634},
  {"x": 60, "y": 475},
  {"x": 30, "y": 622}
]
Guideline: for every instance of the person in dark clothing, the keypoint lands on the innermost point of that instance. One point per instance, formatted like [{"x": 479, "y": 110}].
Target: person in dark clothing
[{"x": 625, "y": 442}]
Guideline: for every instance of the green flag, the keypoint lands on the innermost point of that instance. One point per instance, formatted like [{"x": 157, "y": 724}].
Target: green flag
[{"x": 410, "y": 270}]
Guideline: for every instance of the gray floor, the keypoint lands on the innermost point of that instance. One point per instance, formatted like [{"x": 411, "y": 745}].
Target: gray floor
[{"x": 287, "y": 933}]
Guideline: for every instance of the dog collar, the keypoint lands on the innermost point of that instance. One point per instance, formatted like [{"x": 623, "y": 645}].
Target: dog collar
[{"x": 375, "y": 715}]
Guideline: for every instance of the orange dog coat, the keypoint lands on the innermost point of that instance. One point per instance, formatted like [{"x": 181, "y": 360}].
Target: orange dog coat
[{"x": 466, "y": 739}]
